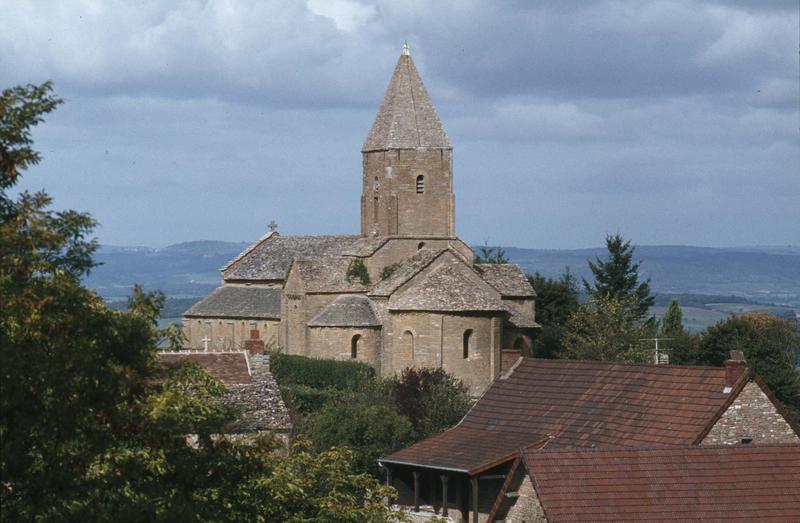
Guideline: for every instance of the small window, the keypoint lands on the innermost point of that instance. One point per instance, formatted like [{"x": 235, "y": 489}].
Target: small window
[
  {"x": 467, "y": 337},
  {"x": 408, "y": 344},
  {"x": 420, "y": 184},
  {"x": 420, "y": 245},
  {"x": 354, "y": 346},
  {"x": 746, "y": 440}
]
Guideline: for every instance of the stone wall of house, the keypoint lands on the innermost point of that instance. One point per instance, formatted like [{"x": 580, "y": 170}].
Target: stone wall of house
[
  {"x": 527, "y": 508},
  {"x": 424, "y": 339},
  {"x": 336, "y": 343},
  {"x": 751, "y": 415},
  {"x": 390, "y": 203},
  {"x": 228, "y": 333}
]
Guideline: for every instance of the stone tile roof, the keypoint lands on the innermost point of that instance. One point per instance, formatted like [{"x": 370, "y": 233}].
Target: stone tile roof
[
  {"x": 407, "y": 118},
  {"x": 405, "y": 271},
  {"x": 580, "y": 404},
  {"x": 447, "y": 288},
  {"x": 507, "y": 278},
  {"x": 347, "y": 311},
  {"x": 230, "y": 301},
  {"x": 251, "y": 389},
  {"x": 271, "y": 258},
  {"x": 522, "y": 320},
  {"x": 327, "y": 275},
  {"x": 680, "y": 484}
]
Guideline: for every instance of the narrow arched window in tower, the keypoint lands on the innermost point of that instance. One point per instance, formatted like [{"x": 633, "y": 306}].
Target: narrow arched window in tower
[
  {"x": 408, "y": 345},
  {"x": 420, "y": 184},
  {"x": 467, "y": 337},
  {"x": 354, "y": 346}
]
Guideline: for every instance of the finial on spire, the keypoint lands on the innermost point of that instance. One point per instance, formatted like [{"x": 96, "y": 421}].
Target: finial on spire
[{"x": 405, "y": 49}]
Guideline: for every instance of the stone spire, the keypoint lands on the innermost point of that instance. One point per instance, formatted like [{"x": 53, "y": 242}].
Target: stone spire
[{"x": 407, "y": 118}]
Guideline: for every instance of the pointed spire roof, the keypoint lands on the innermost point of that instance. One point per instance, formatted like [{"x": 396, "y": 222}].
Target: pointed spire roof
[{"x": 407, "y": 118}]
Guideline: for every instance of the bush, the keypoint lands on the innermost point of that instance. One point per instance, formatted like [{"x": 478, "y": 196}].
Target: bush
[
  {"x": 370, "y": 430},
  {"x": 430, "y": 398},
  {"x": 320, "y": 374}
]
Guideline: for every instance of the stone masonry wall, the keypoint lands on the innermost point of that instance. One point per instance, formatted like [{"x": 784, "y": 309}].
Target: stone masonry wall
[
  {"x": 228, "y": 333},
  {"x": 336, "y": 343},
  {"x": 527, "y": 508},
  {"x": 751, "y": 415},
  {"x": 390, "y": 203}
]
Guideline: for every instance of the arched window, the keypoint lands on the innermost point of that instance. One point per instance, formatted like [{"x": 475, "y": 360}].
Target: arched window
[
  {"x": 420, "y": 184},
  {"x": 467, "y": 336},
  {"x": 420, "y": 245},
  {"x": 519, "y": 344},
  {"x": 408, "y": 344},
  {"x": 354, "y": 346}
]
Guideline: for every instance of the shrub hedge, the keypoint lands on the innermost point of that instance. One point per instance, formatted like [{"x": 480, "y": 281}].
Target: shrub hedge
[{"x": 320, "y": 374}]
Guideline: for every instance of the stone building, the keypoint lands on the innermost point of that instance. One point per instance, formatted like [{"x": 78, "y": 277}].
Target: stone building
[
  {"x": 579, "y": 406},
  {"x": 404, "y": 292}
]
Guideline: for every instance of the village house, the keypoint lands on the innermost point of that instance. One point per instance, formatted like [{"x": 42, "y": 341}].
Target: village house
[
  {"x": 250, "y": 389},
  {"x": 561, "y": 405},
  {"x": 404, "y": 292}
]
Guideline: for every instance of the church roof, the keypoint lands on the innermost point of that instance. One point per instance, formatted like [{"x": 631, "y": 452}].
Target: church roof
[
  {"x": 507, "y": 278},
  {"x": 347, "y": 311},
  {"x": 406, "y": 270},
  {"x": 326, "y": 274},
  {"x": 448, "y": 288},
  {"x": 230, "y": 301},
  {"x": 407, "y": 118},
  {"x": 271, "y": 258}
]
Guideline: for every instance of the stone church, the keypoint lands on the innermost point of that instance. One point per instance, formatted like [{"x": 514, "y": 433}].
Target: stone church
[{"x": 405, "y": 292}]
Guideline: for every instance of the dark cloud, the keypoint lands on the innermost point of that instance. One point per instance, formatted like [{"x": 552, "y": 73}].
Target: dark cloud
[{"x": 206, "y": 119}]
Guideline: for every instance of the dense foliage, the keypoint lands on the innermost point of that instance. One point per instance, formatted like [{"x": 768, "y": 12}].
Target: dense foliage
[
  {"x": 556, "y": 301},
  {"x": 91, "y": 427},
  {"x": 617, "y": 277},
  {"x": 372, "y": 416}
]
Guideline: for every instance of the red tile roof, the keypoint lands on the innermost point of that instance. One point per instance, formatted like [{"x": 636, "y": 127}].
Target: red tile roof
[
  {"x": 686, "y": 484},
  {"x": 231, "y": 368},
  {"x": 578, "y": 404}
]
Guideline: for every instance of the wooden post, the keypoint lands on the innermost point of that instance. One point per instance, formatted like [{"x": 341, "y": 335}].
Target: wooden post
[
  {"x": 444, "y": 494},
  {"x": 416, "y": 490},
  {"x": 461, "y": 504},
  {"x": 389, "y": 477},
  {"x": 474, "y": 500},
  {"x": 432, "y": 490}
]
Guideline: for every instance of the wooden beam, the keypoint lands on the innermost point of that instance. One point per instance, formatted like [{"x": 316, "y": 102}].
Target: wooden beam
[
  {"x": 444, "y": 494},
  {"x": 416, "y": 490},
  {"x": 474, "y": 482},
  {"x": 432, "y": 490},
  {"x": 389, "y": 476},
  {"x": 461, "y": 499}
]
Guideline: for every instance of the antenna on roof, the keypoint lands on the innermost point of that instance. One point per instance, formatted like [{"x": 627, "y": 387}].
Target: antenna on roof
[{"x": 405, "y": 49}]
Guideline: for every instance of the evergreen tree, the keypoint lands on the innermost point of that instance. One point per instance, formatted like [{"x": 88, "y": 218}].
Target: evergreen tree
[
  {"x": 556, "y": 300},
  {"x": 672, "y": 321},
  {"x": 491, "y": 255},
  {"x": 617, "y": 277}
]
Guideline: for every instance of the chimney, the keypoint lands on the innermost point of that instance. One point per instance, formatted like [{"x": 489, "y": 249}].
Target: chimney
[
  {"x": 255, "y": 345},
  {"x": 735, "y": 366}
]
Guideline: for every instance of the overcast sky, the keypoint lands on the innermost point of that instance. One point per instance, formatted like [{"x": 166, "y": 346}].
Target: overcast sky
[{"x": 671, "y": 122}]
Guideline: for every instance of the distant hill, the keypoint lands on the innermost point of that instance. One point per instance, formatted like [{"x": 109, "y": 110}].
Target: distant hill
[{"x": 760, "y": 274}]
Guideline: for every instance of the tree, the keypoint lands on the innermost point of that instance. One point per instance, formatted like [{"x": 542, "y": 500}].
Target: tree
[
  {"x": 768, "y": 344},
  {"x": 91, "y": 428},
  {"x": 672, "y": 321},
  {"x": 491, "y": 255},
  {"x": 605, "y": 329},
  {"x": 618, "y": 277},
  {"x": 556, "y": 301}
]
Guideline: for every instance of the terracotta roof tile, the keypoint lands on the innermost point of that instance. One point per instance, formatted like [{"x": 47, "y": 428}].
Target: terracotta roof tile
[
  {"x": 687, "y": 484},
  {"x": 581, "y": 404},
  {"x": 231, "y": 368}
]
